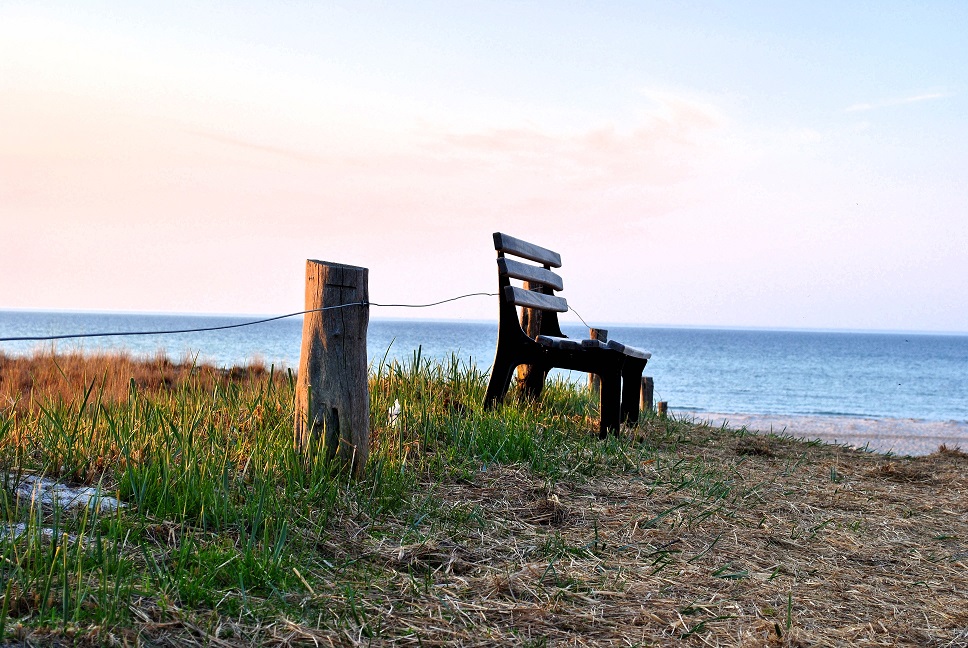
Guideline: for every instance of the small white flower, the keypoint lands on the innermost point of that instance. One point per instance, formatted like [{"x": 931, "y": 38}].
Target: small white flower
[{"x": 393, "y": 413}]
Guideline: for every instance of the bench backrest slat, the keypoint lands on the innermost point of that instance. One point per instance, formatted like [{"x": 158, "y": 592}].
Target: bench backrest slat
[
  {"x": 531, "y": 299},
  {"x": 528, "y": 272},
  {"x": 517, "y": 247}
]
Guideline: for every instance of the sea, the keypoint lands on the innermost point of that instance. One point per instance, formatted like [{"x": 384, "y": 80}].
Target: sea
[{"x": 905, "y": 393}]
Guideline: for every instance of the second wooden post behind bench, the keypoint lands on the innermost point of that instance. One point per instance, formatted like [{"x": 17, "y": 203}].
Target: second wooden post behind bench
[
  {"x": 332, "y": 395},
  {"x": 648, "y": 390},
  {"x": 594, "y": 382}
]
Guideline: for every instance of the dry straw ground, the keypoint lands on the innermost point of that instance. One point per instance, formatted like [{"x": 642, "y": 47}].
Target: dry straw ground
[
  {"x": 694, "y": 536},
  {"x": 825, "y": 547}
]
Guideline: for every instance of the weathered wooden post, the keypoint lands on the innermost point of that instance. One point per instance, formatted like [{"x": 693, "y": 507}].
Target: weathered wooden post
[
  {"x": 594, "y": 382},
  {"x": 531, "y": 379},
  {"x": 646, "y": 395},
  {"x": 662, "y": 408},
  {"x": 332, "y": 395}
]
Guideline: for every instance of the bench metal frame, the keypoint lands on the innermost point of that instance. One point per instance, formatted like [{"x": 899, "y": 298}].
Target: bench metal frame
[{"x": 618, "y": 366}]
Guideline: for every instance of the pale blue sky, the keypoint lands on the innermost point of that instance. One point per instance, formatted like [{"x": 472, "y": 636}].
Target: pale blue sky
[{"x": 727, "y": 164}]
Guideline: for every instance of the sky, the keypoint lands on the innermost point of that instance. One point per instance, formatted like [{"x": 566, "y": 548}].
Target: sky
[{"x": 737, "y": 164}]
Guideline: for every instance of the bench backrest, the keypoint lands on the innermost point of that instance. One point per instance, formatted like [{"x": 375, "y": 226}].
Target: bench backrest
[{"x": 540, "y": 277}]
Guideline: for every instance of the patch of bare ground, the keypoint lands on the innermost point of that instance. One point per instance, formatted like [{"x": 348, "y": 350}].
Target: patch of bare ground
[{"x": 722, "y": 540}]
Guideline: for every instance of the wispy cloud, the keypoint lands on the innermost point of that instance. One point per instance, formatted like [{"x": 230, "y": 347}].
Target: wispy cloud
[
  {"x": 254, "y": 146},
  {"x": 929, "y": 96},
  {"x": 647, "y": 153}
]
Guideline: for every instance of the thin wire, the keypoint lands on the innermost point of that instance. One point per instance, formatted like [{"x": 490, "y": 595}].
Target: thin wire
[
  {"x": 47, "y": 338},
  {"x": 579, "y": 316},
  {"x": 438, "y": 303},
  {"x": 167, "y": 332}
]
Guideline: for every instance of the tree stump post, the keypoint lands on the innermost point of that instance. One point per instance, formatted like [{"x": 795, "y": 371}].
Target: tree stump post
[
  {"x": 332, "y": 394},
  {"x": 594, "y": 382},
  {"x": 531, "y": 378},
  {"x": 647, "y": 394}
]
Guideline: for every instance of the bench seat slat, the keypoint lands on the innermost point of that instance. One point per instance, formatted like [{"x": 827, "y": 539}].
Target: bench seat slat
[
  {"x": 558, "y": 343},
  {"x": 525, "y": 250},
  {"x": 531, "y": 299},
  {"x": 551, "y": 342},
  {"x": 630, "y": 351},
  {"x": 566, "y": 343},
  {"x": 528, "y": 272}
]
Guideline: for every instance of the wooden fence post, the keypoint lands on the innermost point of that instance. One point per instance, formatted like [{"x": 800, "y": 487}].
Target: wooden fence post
[
  {"x": 531, "y": 380},
  {"x": 646, "y": 395},
  {"x": 662, "y": 408},
  {"x": 332, "y": 394},
  {"x": 594, "y": 382}
]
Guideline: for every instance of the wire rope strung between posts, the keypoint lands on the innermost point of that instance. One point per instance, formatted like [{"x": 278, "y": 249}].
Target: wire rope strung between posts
[{"x": 68, "y": 336}]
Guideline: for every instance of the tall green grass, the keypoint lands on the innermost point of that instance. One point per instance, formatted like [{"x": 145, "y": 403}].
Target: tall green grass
[{"x": 221, "y": 513}]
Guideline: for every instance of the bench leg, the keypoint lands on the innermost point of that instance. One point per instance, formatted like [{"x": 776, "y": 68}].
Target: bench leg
[
  {"x": 611, "y": 396},
  {"x": 497, "y": 386},
  {"x": 631, "y": 388}
]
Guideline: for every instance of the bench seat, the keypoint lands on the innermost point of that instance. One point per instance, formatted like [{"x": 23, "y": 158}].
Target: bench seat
[{"x": 568, "y": 343}]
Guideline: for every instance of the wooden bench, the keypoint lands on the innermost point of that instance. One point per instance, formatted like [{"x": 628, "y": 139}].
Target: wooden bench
[{"x": 618, "y": 366}]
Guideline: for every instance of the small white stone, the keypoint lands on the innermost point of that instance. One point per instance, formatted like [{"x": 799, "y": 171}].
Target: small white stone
[{"x": 49, "y": 492}]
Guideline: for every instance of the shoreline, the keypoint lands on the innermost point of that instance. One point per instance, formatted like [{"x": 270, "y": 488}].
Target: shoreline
[{"x": 912, "y": 437}]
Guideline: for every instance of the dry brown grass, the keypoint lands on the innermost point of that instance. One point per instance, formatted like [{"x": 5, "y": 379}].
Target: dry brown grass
[
  {"x": 813, "y": 545},
  {"x": 27, "y": 380}
]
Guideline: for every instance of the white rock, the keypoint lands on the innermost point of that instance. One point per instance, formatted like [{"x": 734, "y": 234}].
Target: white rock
[{"x": 49, "y": 492}]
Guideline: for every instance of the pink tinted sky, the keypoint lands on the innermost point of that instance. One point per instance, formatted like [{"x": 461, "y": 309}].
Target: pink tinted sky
[{"x": 715, "y": 164}]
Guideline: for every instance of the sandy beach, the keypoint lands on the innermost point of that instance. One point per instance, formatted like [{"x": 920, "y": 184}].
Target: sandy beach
[{"x": 899, "y": 436}]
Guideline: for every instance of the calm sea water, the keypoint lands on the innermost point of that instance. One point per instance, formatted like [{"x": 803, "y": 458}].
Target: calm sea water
[{"x": 898, "y": 376}]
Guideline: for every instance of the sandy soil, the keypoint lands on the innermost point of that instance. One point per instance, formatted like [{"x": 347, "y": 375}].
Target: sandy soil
[{"x": 900, "y": 436}]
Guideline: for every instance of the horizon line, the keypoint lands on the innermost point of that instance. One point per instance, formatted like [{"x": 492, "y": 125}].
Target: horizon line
[{"x": 494, "y": 321}]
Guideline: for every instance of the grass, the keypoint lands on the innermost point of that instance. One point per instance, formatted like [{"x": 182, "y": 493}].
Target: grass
[{"x": 515, "y": 526}]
